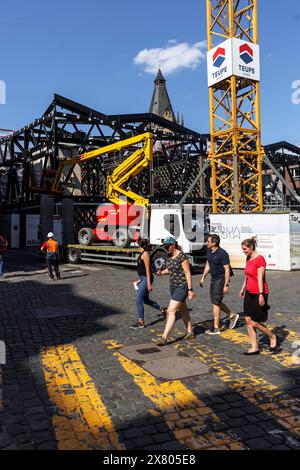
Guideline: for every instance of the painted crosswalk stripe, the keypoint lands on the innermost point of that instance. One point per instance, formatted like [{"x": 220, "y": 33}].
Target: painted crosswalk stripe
[
  {"x": 81, "y": 420},
  {"x": 284, "y": 357},
  {"x": 281, "y": 406},
  {"x": 184, "y": 413}
]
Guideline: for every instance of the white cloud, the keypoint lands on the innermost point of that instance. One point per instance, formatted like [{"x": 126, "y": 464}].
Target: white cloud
[{"x": 172, "y": 57}]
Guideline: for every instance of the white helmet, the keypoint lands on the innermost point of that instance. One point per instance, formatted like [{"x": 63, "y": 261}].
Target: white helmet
[{"x": 50, "y": 235}]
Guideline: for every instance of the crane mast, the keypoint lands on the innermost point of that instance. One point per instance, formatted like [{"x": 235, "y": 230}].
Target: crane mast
[{"x": 234, "y": 100}]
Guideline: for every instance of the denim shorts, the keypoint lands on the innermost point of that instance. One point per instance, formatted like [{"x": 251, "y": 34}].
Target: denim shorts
[{"x": 179, "y": 294}]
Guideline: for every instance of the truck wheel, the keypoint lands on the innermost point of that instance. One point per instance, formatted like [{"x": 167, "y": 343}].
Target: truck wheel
[
  {"x": 86, "y": 236},
  {"x": 73, "y": 256},
  {"x": 121, "y": 238},
  {"x": 158, "y": 260}
]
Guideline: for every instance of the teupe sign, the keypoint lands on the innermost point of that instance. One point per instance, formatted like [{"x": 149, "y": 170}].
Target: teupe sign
[{"x": 233, "y": 57}]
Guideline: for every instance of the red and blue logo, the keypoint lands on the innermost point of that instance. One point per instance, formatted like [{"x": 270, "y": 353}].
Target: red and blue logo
[
  {"x": 246, "y": 53},
  {"x": 219, "y": 57}
]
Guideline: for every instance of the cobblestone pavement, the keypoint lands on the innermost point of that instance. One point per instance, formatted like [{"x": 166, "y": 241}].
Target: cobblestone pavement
[{"x": 65, "y": 384}]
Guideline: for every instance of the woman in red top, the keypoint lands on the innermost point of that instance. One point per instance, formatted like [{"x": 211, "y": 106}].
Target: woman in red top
[{"x": 255, "y": 292}]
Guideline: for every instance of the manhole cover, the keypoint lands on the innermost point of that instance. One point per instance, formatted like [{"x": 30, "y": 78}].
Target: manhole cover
[
  {"x": 173, "y": 368},
  {"x": 147, "y": 352},
  {"x": 50, "y": 312}
]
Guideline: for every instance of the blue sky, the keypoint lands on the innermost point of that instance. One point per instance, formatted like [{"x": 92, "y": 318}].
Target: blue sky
[{"x": 85, "y": 51}]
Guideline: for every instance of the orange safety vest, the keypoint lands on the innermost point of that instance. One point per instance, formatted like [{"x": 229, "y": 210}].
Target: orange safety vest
[{"x": 52, "y": 246}]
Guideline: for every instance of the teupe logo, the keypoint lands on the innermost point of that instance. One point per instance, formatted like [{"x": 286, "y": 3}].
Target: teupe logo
[
  {"x": 246, "y": 53},
  {"x": 219, "y": 57}
]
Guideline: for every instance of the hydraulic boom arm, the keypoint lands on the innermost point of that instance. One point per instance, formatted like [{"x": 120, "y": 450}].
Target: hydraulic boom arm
[{"x": 131, "y": 166}]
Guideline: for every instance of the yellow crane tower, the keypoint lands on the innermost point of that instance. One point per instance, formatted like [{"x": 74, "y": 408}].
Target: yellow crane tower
[{"x": 234, "y": 98}]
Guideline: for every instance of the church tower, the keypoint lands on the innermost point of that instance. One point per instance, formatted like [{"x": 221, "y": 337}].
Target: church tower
[{"x": 160, "y": 103}]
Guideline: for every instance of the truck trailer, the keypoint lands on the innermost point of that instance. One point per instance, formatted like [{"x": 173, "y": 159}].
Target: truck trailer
[{"x": 187, "y": 223}]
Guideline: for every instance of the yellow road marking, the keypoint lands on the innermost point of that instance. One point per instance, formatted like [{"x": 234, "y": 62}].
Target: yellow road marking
[
  {"x": 184, "y": 413},
  {"x": 83, "y": 421},
  {"x": 283, "y": 357},
  {"x": 269, "y": 398}
]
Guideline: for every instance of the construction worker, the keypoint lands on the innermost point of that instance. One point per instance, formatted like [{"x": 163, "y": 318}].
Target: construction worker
[
  {"x": 3, "y": 247},
  {"x": 52, "y": 255}
]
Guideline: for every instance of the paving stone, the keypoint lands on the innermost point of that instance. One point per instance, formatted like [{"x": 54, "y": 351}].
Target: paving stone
[
  {"x": 39, "y": 425},
  {"x": 250, "y": 410},
  {"x": 5, "y": 440},
  {"x": 148, "y": 430},
  {"x": 132, "y": 433},
  {"x": 274, "y": 439},
  {"x": 237, "y": 422},
  {"x": 50, "y": 445},
  {"x": 235, "y": 413},
  {"x": 281, "y": 447},
  {"x": 252, "y": 419},
  {"x": 257, "y": 443},
  {"x": 143, "y": 442},
  {"x": 255, "y": 431},
  {"x": 129, "y": 445},
  {"x": 162, "y": 428},
  {"x": 26, "y": 446},
  {"x": 295, "y": 392},
  {"x": 14, "y": 429},
  {"x": 221, "y": 407},
  {"x": 268, "y": 425},
  {"x": 35, "y": 410},
  {"x": 25, "y": 394},
  {"x": 231, "y": 397},
  {"x": 162, "y": 437},
  {"x": 155, "y": 420}
]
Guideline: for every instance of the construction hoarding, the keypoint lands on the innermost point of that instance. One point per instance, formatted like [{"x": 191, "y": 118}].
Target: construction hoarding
[{"x": 277, "y": 235}]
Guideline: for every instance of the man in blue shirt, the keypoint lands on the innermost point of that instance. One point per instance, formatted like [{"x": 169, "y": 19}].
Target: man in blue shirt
[{"x": 218, "y": 264}]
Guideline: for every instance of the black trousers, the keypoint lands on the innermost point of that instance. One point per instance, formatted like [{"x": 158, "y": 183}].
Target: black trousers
[{"x": 53, "y": 262}]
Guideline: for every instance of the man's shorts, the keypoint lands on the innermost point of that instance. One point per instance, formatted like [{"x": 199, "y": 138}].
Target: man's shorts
[{"x": 216, "y": 291}]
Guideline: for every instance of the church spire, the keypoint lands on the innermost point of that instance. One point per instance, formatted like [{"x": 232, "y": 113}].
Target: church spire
[
  {"x": 159, "y": 77},
  {"x": 160, "y": 103}
]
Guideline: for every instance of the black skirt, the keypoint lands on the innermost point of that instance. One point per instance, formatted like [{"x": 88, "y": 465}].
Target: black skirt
[{"x": 252, "y": 308}]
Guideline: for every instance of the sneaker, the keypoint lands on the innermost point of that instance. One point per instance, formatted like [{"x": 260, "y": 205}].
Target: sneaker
[
  {"x": 188, "y": 336},
  {"x": 137, "y": 325},
  {"x": 163, "y": 313},
  {"x": 58, "y": 277},
  {"x": 160, "y": 342},
  {"x": 213, "y": 331},
  {"x": 233, "y": 320}
]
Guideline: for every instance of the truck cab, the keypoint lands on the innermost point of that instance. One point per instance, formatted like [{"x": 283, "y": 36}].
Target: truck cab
[{"x": 186, "y": 223}]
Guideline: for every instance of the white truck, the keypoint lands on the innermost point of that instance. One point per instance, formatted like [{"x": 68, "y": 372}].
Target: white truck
[{"x": 187, "y": 223}]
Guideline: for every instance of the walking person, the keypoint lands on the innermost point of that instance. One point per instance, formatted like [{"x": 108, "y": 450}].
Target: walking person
[
  {"x": 52, "y": 256},
  {"x": 144, "y": 285},
  {"x": 255, "y": 292},
  {"x": 178, "y": 267},
  {"x": 218, "y": 265},
  {"x": 3, "y": 248}
]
